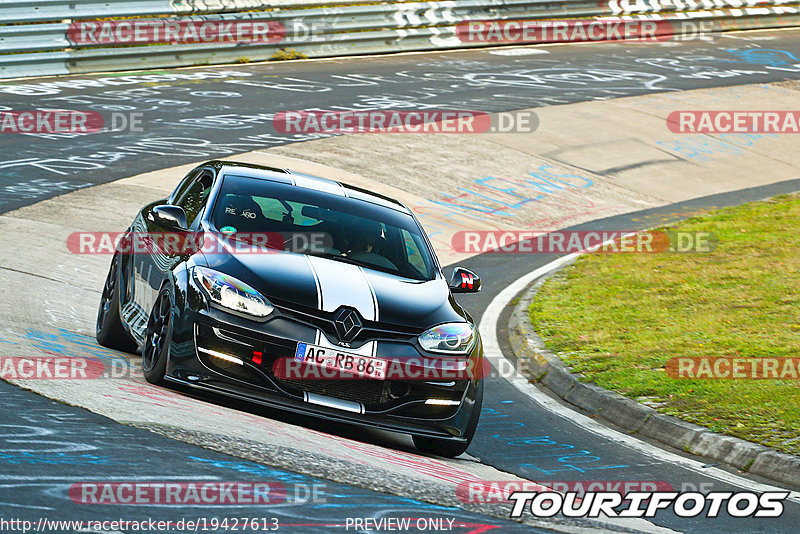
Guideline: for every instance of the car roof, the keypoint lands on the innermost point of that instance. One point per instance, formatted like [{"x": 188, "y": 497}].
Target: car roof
[{"x": 307, "y": 181}]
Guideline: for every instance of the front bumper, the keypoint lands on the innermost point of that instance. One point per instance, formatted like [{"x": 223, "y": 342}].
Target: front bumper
[{"x": 253, "y": 347}]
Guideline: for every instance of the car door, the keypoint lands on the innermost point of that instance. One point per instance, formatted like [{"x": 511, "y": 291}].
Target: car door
[{"x": 152, "y": 265}]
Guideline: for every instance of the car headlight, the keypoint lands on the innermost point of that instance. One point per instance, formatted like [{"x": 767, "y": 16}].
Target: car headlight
[
  {"x": 450, "y": 338},
  {"x": 231, "y": 293}
]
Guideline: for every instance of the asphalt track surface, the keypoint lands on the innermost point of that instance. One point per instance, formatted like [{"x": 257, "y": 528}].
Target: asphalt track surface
[
  {"x": 188, "y": 120},
  {"x": 47, "y": 447},
  {"x": 185, "y": 120}
]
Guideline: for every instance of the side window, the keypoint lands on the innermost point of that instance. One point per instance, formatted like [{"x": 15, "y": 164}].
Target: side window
[
  {"x": 194, "y": 197},
  {"x": 184, "y": 185}
]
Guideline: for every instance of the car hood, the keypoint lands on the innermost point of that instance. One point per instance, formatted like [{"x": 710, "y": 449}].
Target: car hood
[{"x": 327, "y": 285}]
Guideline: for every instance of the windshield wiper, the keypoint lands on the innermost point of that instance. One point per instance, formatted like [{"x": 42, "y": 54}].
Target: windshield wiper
[
  {"x": 351, "y": 261},
  {"x": 345, "y": 259},
  {"x": 338, "y": 257}
]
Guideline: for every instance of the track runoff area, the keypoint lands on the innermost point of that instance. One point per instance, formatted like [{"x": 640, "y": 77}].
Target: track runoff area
[{"x": 64, "y": 462}]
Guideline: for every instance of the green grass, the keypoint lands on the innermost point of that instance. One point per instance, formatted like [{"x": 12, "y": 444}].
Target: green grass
[
  {"x": 618, "y": 318},
  {"x": 285, "y": 54}
]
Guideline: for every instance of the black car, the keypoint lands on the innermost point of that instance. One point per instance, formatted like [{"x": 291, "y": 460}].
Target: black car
[{"x": 300, "y": 293}]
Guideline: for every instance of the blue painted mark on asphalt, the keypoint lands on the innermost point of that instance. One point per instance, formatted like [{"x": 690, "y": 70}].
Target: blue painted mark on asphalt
[
  {"x": 491, "y": 195},
  {"x": 255, "y": 469},
  {"x": 705, "y": 148},
  {"x": 69, "y": 344},
  {"x": 540, "y": 454},
  {"x": 765, "y": 56},
  {"x": 334, "y": 493}
]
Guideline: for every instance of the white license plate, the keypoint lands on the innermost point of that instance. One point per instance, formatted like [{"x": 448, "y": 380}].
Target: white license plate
[{"x": 346, "y": 362}]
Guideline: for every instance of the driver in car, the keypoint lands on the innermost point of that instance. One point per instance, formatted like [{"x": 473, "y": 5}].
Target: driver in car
[{"x": 363, "y": 245}]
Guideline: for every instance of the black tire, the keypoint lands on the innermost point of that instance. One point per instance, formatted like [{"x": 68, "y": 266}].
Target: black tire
[
  {"x": 155, "y": 351},
  {"x": 109, "y": 331},
  {"x": 450, "y": 449}
]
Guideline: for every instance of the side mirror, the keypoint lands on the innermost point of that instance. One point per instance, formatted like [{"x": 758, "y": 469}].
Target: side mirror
[
  {"x": 169, "y": 217},
  {"x": 464, "y": 281}
]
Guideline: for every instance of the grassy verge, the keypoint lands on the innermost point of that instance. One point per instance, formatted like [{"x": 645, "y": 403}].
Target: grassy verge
[{"x": 618, "y": 319}]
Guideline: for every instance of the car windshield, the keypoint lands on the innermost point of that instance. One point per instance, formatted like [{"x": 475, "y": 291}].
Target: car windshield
[{"x": 308, "y": 221}]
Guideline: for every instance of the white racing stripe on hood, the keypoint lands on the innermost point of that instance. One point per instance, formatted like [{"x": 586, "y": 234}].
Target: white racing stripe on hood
[
  {"x": 374, "y": 296},
  {"x": 316, "y": 281},
  {"x": 319, "y": 295},
  {"x": 342, "y": 284}
]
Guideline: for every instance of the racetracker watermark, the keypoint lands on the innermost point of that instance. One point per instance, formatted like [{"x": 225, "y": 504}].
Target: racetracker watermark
[
  {"x": 569, "y": 31},
  {"x": 408, "y": 122},
  {"x": 50, "y": 368},
  {"x": 167, "y": 31},
  {"x": 68, "y": 122},
  {"x": 330, "y": 364},
  {"x": 711, "y": 122},
  {"x": 59, "y": 367},
  {"x": 119, "y": 526},
  {"x": 567, "y": 242},
  {"x": 614, "y": 504},
  {"x": 197, "y": 493},
  {"x": 228, "y": 241},
  {"x": 703, "y": 367}
]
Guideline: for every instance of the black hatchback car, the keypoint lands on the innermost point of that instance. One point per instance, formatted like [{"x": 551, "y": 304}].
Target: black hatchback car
[{"x": 300, "y": 293}]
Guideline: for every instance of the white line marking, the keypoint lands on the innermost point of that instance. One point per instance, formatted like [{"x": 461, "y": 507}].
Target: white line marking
[
  {"x": 32, "y": 507},
  {"x": 488, "y": 330},
  {"x": 518, "y": 52}
]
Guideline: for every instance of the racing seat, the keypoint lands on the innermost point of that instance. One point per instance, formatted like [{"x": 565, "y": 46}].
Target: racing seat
[{"x": 242, "y": 213}]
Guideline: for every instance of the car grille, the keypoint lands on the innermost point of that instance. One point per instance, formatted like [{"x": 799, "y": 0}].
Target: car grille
[
  {"x": 325, "y": 321},
  {"x": 357, "y": 390}
]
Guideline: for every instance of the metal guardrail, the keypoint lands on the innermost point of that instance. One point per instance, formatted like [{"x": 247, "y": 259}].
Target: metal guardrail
[{"x": 37, "y": 36}]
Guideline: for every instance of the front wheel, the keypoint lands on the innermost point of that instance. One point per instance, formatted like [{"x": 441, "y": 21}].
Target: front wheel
[
  {"x": 450, "y": 449},
  {"x": 155, "y": 351}
]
